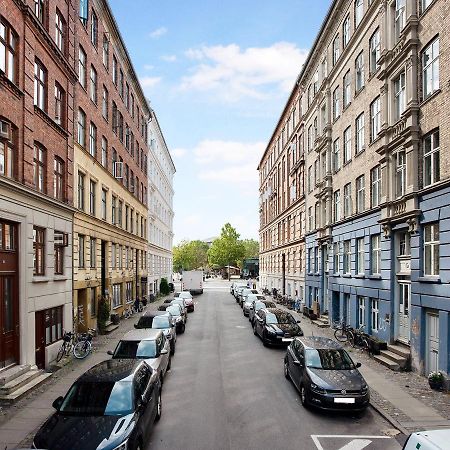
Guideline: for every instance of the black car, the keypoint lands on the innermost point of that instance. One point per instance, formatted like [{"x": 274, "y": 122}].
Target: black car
[
  {"x": 111, "y": 406},
  {"x": 276, "y": 326},
  {"x": 325, "y": 375}
]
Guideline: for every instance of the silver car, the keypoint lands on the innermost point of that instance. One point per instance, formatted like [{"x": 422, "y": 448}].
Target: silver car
[
  {"x": 238, "y": 290},
  {"x": 243, "y": 295},
  {"x": 182, "y": 302},
  {"x": 148, "y": 344},
  {"x": 249, "y": 301}
]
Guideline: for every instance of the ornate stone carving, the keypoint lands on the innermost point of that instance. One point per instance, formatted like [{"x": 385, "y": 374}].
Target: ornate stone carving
[
  {"x": 386, "y": 230},
  {"x": 412, "y": 225}
]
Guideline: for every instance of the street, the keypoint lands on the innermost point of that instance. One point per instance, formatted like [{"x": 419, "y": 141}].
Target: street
[{"x": 227, "y": 391}]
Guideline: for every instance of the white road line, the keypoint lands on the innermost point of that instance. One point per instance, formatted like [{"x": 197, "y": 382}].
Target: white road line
[
  {"x": 353, "y": 445},
  {"x": 356, "y": 444}
]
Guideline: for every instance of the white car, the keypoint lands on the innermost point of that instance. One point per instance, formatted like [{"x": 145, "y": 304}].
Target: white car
[
  {"x": 428, "y": 440},
  {"x": 186, "y": 295},
  {"x": 249, "y": 301}
]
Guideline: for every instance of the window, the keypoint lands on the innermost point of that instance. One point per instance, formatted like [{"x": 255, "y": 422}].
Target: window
[
  {"x": 93, "y": 85},
  {"x": 359, "y": 11},
  {"x": 359, "y": 125},
  {"x": 116, "y": 295},
  {"x": 336, "y": 104},
  {"x": 104, "y": 205},
  {"x": 105, "y": 53},
  {"x": 93, "y": 301},
  {"x": 92, "y": 191},
  {"x": 58, "y": 178},
  {"x": 431, "y": 158},
  {"x": 104, "y": 152},
  {"x": 59, "y": 104},
  {"x": 81, "y": 191},
  {"x": 316, "y": 82},
  {"x": 38, "y": 251},
  {"x": 336, "y": 49},
  {"x": 59, "y": 243},
  {"x": 113, "y": 255},
  {"x": 81, "y": 130},
  {"x": 399, "y": 95},
  {"x": 8, "y": 44},
  {"x": 360, "y": 194},
  {"x": 113, "y": 210},
  {"x": 426, "y": 4},
  {"x": 337, "y": 206},
  {"x": 360, "y": 256},
  {"x": 121, "y": 83},
  {"x": 105, "y": 102},
  {"x": 60, "y": 29},
  {"x": 127, "y": 209},
  {"x": 359, "y": 72},
  {"x": 132, "y": 220},
  {"x": 404, "y": 245},
  {"x": 39, "y": 10},
  {"x": 336, "y": 257},
  {"x": 361, "y": 311},
  {"x": 375, "y": 119},
  {"x": 348, "y": 200},
  {"x": 40, "y": 85},
  {"x": 347, "y": 97},
  {"x": 120, "y": 257},
  {"x": 346, "y": 31},
  {"x": 347, "y": 256},
  {"x": 92, "y": 139},
  {"x": 375, "y": 49},
  {"x": 114, "y": 69},
  {"x": 324, "y": 73},
  {"x": 310, "y": 219},
  {"x": 347, "y": 145},
  {"x": 430, "y": 68},
  {"x": 399, "y": 18},
  {"x": 53, "y": 324},
  {"x": 81, "y": 251},
  {"x": 39, "y": 168},
  {"x": 431, "y": 249},
  {"x": 375, "y": 260},
  {"x": 84, "y": 8},
  {"x": 94, "y": 29},
  {"x": 400, "y": 173},
  {"x": 375, "y": 179},
  {"x": 127, "y": 96},
  {"x": 128, "y": 291},
  {"x": 120, "y": 213},
  {"x": 375, "y": 314},
  {"x": 82, "y": 66},
  {"x": 92, "y": 252},
  {"x": 336, "y": 155}
]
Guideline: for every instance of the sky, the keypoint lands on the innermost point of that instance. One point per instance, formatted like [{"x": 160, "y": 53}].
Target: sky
[{"x": 218, "y": 74}]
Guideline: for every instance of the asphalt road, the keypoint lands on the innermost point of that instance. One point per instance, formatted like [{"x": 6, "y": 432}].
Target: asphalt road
[{"x": 227, "y": 391}]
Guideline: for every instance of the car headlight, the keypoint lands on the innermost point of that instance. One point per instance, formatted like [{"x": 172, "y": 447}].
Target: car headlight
[
  {"x": 122, "y": 446},
  {"x": 317, "y": 389},
  {"x": 364, "y": 389},
  {"x": 270, "y": 331},
  {"x": 179, "y": 319}
]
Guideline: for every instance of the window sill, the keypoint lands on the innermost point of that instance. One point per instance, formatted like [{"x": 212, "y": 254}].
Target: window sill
[
  {"x": 346, "y": 275},
  {"x": 360, "y": 275},
  {"x": 360, "y": 152},
  {"x": 359, "y": 91},
  {"x": 346, "y": 163},
  {"x": 60, "y": 278},
  {"x": 429, "y": 98},
  {"x": 430, "y": 279},
  {"x": 40, "y": 279},
  {"x": 374, "y": 277},
  {"x": 336, "y": 275}
]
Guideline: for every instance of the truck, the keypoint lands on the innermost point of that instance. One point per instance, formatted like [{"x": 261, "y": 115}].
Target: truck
[
  {"x": 192, "y": 281},
  {"x": 250, "y": 268}
]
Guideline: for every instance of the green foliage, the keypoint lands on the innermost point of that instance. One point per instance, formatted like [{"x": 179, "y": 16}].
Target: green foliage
[
  {"x": 227, "y": 249},
  {"x": 190, "y": 255},
  {"x": 103, "y": 313},
  {"x": 164, "y": 287},
  {"x": 251, "y": 250}
]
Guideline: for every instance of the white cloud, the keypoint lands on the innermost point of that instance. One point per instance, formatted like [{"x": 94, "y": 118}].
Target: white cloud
[
  {"x": 233, "y": 73},
  {"x": 228, "y": 152},
  {"x": 178, "y": 152},
  {"x": 148, "y": 67},
  {"x": 149, "y": 82},
  {"x": 169, "y": 58},
  {"x": 158, "y": 32}
]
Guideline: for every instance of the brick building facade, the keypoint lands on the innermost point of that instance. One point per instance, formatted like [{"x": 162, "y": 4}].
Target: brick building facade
[{"x": 373, "y": 95}]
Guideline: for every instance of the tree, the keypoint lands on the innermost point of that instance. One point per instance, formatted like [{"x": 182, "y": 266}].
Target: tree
[
  {"x": 226, "y": 249},
  {"x": 189, "y": 255},
  {"x": 251, "y": 250},
  {"x": 164, "y": 287}
]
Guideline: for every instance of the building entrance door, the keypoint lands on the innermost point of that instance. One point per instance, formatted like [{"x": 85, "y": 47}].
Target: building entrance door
[
  {"x": 404, "y": 290},
  {"x": 432, "y": 361},
  {"x": 40, "y": 339}
]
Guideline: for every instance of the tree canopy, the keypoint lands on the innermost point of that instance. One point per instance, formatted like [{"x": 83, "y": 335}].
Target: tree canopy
[
  {"x": 190, "y": 255},
  {"x": 227, "y": 249},
  {"x": 251, "y": 250}
]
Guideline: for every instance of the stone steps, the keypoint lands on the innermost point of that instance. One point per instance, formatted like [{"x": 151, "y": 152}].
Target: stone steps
[
  {"x": 19, "y": 382},
  {"x": 25, "y": 389},
  {"x": 386, "y": 361},
  {"x": 110, "y": 328},
  {"x": 321, "y": 322},
  {"x": 400, "y": 350},
  {"x": 9, "y": 373}
]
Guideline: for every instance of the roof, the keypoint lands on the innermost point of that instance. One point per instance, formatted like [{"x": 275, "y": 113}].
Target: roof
[
  {"x": 144, "y": 334},
  {"x": 319, "y": 342},
  {"x": 111, "y": 370},
  {"x": 437, "y": 437}
]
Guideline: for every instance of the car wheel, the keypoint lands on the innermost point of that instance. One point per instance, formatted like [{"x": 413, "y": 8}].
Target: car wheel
[
  {"x": 172, "y": 350},
  {"x": 286, "y": 370},
  {"x": 158, "y": 408},
  {"x": 161, "y": 380},
  {"x": 265, "y": 343},
  {"x": 254, "y": 330},
  {"x": 303, "y": 395},
  {"x": 183, "y": 328},
  {"x": 170, "y": 364}
]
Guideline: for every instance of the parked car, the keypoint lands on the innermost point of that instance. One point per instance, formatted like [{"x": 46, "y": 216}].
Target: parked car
[
  {"x": 177, "y": 313},
  {"x": 189, "y": 301},
  {"x": 182, "y": 302},
  {"x": 111, "y": 406},
  {"x": 249, "y": 301},
  {"x": 325, "y": 375},
  {"x": 243, "y": 295},
  {"x": 276, "y": 326},
  {"x": 238, "y": 290},
  {"x": 232, "y": 286},
  {"x": 160, "y": 320},
  {"x": 167, "y": 301},
  {"x": 256, "y": 306},
  {"x": 428, "y": 440},
  {"x": 148, "y": 344}
]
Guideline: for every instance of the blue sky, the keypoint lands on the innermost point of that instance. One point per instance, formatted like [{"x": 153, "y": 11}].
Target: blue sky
[{"x": 218, "y": 75}]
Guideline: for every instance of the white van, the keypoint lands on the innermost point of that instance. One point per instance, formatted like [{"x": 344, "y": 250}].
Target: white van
[
  {"x": 428, "y": 440},
  {"x": 192, "y": 281}
]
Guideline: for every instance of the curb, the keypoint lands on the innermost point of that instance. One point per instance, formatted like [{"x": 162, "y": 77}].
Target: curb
[{"x": 389, "y": 418}]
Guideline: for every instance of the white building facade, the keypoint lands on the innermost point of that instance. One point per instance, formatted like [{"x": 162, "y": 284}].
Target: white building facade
[{"x": 161, "y": 171}]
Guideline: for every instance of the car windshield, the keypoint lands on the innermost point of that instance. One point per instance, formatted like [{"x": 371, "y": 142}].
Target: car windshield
[
  {"x": 92, "y": 398},
  {"x": 135, "y": 350},
  {"x": 260, "y": 297},
  {"x": 185, "y": 295},
  {"x": 279, "y": 317},
  {"x": 174, "y": 310},
  {"x": 160, "y": 322},
  {"x": 328, "y": 359},
  {"x": 145, "y": 322}
]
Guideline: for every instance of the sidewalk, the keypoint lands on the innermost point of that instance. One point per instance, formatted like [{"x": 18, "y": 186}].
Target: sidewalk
[
  {"x": 19, "y": 422},
  {"x": 403, "y": 398}
]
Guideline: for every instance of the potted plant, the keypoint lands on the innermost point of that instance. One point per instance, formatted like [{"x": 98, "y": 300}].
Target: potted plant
[{"x": 436, "y": 380}]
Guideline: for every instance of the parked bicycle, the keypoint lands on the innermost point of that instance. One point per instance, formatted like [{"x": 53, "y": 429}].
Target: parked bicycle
[
  {"x": 358, "y": 339},
  {"x": 343, "y": 332},
  {"x": 67, "y": 345},
  {"x": 84, "y": 345}
]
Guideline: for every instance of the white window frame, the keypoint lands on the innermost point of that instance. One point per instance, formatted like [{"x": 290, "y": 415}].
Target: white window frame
[
  {"x": 375, "y": 51},
  {"x": 399, "y": 95},
  {"x": 375, "y": 118},
  {"x": 336, "y": 104},
  {"x": 347, "y": 144},
  {"x": 375, "y": 249},
  {"x": 431, "y": 158},
  {"x": 431, "y": 247},
  {"x": 336, "y": 155},
  {"x": 400, "y": 173},
  {"x": 430, "y": 68},
  {"x": 399, "y": 18},
  {"x": 360, "y": 255},
  {"x": 346, "y": 269},
  {"x": 361, "y": 310},
  {"x": 348, "y": 200},
  {"x": 375, "y": 179},
  {"x": 375, "y": 314},
  {"x": 360, "y": 142},
  {"x": 359, "y": 72},
  {"x": 337, "y": 205},
  {"x": 347, "y": 92},
  {"x": 359, "y": 11},
  {"x": 336, "y": 49},
  {"x": 336, "y": 257},
  {"x": 346, "y": 31},
  {"x": 360, "y": 194}
]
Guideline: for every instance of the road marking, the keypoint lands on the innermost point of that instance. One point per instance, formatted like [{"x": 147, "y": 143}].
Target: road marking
[{"x": 356, "y": 442}]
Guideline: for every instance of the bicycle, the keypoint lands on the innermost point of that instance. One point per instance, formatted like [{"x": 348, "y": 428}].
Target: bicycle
[
  {"x": 128, "y": 312},
  {"x": 343, "y": 332},
  {"x": 84, "y": 345},
  {"x": 358, "y": 339},
  {"x": 67, "y": 345}
]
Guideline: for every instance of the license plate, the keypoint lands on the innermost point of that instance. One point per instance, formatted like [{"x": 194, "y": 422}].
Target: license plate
[
  {"x": 344, "y": 400},
  {"x": 287, "y": 339}
]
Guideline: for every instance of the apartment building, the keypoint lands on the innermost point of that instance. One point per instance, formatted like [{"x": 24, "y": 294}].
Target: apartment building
[
  {"x": 36, "y": 184},
  {"x": 110, "y": 169},
  {"x": 373, "y": 106},
  {"x": 282, "y": 204},
  {"x": 160, "y": 213}
]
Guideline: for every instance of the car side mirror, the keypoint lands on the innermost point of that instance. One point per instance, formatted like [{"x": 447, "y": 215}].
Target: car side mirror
[
  {"x": 163, "y": 352},
  {"x": 58, "y": 402},
  {"x": 297, "y": 363},
  {"x": 358, "y": 364},
  {"x": 110, "y": 352},
  {"x": 298, "y": 321}
]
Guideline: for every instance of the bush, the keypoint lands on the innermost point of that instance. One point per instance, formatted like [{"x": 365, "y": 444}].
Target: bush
[
  {"x": 164, "y": 287},
  {"x": 103, "y": 313}
]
